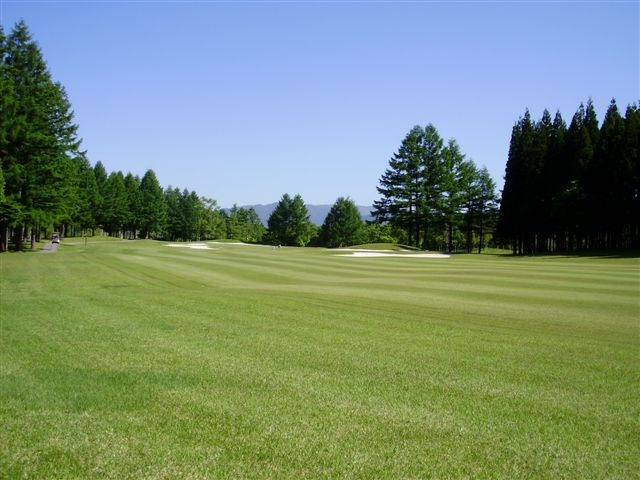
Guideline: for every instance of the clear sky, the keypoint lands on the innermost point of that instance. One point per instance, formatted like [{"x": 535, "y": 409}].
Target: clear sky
[{"x": 244, "y": 101}]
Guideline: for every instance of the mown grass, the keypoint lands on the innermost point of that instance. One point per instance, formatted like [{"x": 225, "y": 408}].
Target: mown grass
[{"x": 134, "y": 360}]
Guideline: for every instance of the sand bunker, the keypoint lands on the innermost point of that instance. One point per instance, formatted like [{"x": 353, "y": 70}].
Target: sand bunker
[
  {"x": 370, "y": 250},
  {"x": 371, "y": 253},
  {"x": 198, "y": 246},
  {"x": 240, "y": 243}
]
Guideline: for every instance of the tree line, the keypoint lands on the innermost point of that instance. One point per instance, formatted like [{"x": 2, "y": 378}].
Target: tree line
[
  {"x": 47, "y": 182},
  {"x": 572, "y": 188},
  {"x": 566, "y": 188},
  {"x": 433, "y": 197}
]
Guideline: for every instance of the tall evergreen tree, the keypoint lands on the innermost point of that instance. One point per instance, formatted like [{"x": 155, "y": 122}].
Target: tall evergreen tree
[
  {"x": 41, "y": 138},
  {"x": 289, "y": 223},
  {"x": 88, "y": 199},
  {"x": 175, "y": 220},
  {"x": 9, "y": 210},
  {"x": 572, "y": 189},
  {"x": 483, "y": 206},
  {"x": 613, "y": 187},
  {"x": 153, "y": 210},
  {"x": 192, "y": 211},
  {"x": 214, "y": 221},
  {"x": 411, "y": 188},
  {"x": 343, "y": 225},
  {"x": 134, "y": 205},
  {"x": 632, "y": 165},
  {"x": 457, "y": 180},
  {"x": 244, "y": 224},
  {"x": 515, "y": 206},
  {"x": 401, "y": 187},
  {"x": 116, "y": 204}
]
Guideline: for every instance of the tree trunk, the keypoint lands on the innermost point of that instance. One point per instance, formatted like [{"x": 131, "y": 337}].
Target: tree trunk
[
  {"x": 17, "y": 236},
  {"x": 4, "y": 237}
]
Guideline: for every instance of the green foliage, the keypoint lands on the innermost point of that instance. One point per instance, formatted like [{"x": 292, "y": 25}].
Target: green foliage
[
  {"x": 289, "y": 223},
  {"x": 88, "y": 198},
  {"x": 572, "y": 189},
  {"x": 343, "y": 225},
  {"x": 134, "y": 205},
  {"x": 245, "y": 225},
  {"x": 190, "y": 217},
  {"x": 38, "y": 139},
  {"x": 430, "y": 193},
  {"x": 213, "y": 221},
  {"x": 153, "y": 210},
  {"x": 116, "y": 204},
  {"x": 380, "y": 233}
]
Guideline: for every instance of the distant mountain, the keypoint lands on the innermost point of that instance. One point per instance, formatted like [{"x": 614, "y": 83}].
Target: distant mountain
[{"x": 317, "y": 213}]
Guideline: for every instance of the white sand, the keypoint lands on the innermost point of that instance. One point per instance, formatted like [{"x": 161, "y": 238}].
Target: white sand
[
  {"x": 199, "y": 246},
  {"x": 369, "y": 250},
  {"x": 239, "y": 243},
  {"x": 372, "y": 253}
]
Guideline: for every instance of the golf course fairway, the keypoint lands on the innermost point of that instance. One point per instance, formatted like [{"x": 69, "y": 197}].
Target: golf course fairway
[{"x": 132, "y": 359}]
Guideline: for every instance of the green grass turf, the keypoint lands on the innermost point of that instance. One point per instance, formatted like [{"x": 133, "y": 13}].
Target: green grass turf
[{"x": 135, "y": 360}]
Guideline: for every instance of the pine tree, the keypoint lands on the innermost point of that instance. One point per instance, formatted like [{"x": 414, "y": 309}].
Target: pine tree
[
  {"x": 244, "y": 224},
  {"x": 214, "y": 221},
  {"x": 484, "y": 205},
  {"x": 153, "y": 210},
  {"x": 612, "y": 180},
  {"x": 632, "y": 184},
  {"x": 401, "y": 187},
  {"x": 412, "y": 186},
  {"x": 433, "y": 172},
  {"x": 576, "y": 188},
  {"x": 557, "y": 178},
  {"x": 134, "y": 205},
  {"x": 289, "y": 223},
  {"x": 458, "y": 176},
  {"x": 343, "y": 225},
  {"x": 175, "y": 220},
  {"x": 191, "y": 208},
  {"x": 116, "y": 204},
  {"x": 41, "y": 139},
  {"x": 88, "y": 199}
]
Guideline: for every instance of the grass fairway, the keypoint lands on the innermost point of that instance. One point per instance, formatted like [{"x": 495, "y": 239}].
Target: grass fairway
[{"x": 136, "y": 360}]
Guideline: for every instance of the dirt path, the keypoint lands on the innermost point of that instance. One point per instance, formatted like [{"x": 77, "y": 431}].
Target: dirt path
[{"x": 50, "y": 248}]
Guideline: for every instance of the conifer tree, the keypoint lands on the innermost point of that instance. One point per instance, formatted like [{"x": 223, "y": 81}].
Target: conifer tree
[
  {"x": 401, "y": 187},
  {"x": 411, "y": 188},
  {"x": 632, "y": 184},
  {"x": 244, "y": 224},
  {"x": 41, "y": 139},
  {"x": 289, "y": 223},
  {"x": 213, "y": 223},
  {"x": 134, "y": 205},
  {"x": 153, "y": 210},
  {"x": 88, "y": 200},
  {"x": 458, "y": 175},
  {"x": 343, "y": 225},
  {"x": 484, "y": 205},
  {"x": 116, "y": 205},
  {"x": 576, "y": 188}
]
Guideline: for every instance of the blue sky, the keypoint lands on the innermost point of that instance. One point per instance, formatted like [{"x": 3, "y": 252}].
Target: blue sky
[{"x": 245, "y": 101}]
